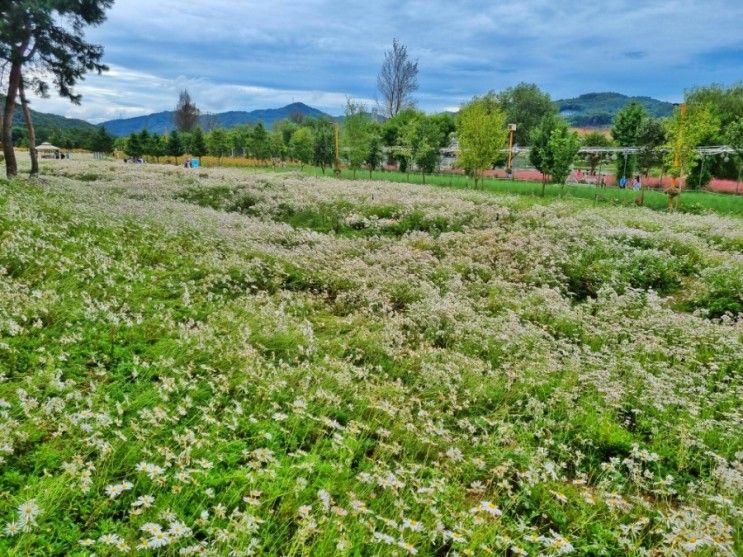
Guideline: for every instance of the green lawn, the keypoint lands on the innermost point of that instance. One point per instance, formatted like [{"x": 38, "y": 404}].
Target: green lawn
[{"x": 688, "y": 202}]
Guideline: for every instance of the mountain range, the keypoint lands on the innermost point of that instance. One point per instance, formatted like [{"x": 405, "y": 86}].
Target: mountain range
[
  {"x": 589, "y": 110},
  {"x": 162, "y": 122},
  {"x": 598, "y": 109},
  {"x": 43, "y": 120}
]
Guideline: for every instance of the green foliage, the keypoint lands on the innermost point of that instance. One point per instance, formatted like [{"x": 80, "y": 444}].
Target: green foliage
[
  {"x": 356, "y": 134},
  {"x": 374, "y": 154},
  {"x": 45, "y": 40},
  {"x": 726, "y": 103},
  {"x": 323, "y": 153},
  {"x": 595, "y": 139},
  {"x": 285, "y": 129},
  {"x": 175, "y": 147},
  {"x": 301, "y": 145},
  {"x": 525, "y": 105},
  {"x": 198, "y": 146},
  {"x": 421, "y": 137},
  {"x": 102, "y": 142},
  {"x": 720, "y": 292},
  {"x": 526, "y": 375},
  {"x": 133, "y": 146},
  {"x": 541, "y": 155},
  {"x": 158, "y": 147},
  {"x": 734, "y": 135},
  {"x": 650, "y": 138},
  {"x": 625, "y": 130},
  {"x": 599, "y": 109},
  {"x": 145, "y": 142},
  {"x": 260, "y": 146},
  {"x": 563, "y": 146},
  {"x": 275, "y": 147},
  {"x": 686, "y": 131},
  {"x": 216, "y": 142},
  {"x": 481, "y": 131}
]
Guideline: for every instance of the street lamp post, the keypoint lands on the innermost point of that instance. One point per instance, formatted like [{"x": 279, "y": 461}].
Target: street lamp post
[{"x": 509, "y": 168}]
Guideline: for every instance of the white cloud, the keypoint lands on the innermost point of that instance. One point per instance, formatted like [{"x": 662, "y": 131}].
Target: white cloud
[{"x": 257, "y": 54}]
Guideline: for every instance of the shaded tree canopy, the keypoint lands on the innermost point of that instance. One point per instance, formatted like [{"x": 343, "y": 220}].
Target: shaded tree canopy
[{"x": 525, "y": 105}]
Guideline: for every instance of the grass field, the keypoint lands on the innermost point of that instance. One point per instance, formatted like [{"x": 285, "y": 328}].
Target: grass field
[
  {"x": 694, "y": 202},
  {"x": 221, "y": 362}
]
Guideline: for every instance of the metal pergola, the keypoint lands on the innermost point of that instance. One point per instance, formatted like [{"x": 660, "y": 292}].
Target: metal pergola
[{"x": 706, "y": 151}]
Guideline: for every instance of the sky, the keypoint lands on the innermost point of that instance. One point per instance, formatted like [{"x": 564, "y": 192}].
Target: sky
[{"x": 246, "y": 55}]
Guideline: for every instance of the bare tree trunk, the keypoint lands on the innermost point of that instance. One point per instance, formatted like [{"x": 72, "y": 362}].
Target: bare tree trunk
[
  {"x": 31, "y": 132},
  {"x": 14, "y": 79}
]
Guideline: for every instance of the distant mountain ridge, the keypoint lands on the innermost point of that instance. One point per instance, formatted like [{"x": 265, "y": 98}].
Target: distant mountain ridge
[
  {"x": 589, "y": 110},
  {"x": 598, "y": 109},
  {"x": 162, "y": 122},
  {"x": 43, "y": 120}
]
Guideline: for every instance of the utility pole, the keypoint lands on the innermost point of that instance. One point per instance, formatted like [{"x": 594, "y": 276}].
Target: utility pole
[
  {"x": 337, "y": 162},
  {"x": 509, "y": 168}
]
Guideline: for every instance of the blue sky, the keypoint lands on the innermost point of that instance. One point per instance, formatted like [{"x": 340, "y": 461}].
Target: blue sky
[{"x": 243, "y": 55}]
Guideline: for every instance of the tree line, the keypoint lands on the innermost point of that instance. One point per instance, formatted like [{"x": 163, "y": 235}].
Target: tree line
[
  {"x": 46, "y": 39},
  {"x": 412, "y": 140}
]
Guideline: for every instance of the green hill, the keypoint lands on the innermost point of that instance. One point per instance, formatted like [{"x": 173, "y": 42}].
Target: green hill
[
  {"x": 162, "y": 122},
  {"x": 598, "y": 109},
  {"x": 43, "y": 120}
]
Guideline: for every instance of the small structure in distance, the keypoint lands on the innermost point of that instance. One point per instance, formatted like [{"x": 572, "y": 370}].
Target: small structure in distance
[{"x": 48, "y": 151}]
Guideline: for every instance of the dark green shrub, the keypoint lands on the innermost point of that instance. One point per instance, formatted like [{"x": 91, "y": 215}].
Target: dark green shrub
[{"x": 722, "y": 291}]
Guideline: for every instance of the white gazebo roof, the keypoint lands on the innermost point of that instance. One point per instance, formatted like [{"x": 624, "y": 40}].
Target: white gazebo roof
[{"x": 46, "y": 146}]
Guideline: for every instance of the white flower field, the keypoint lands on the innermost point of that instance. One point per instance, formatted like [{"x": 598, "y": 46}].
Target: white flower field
[{"x": 225, "y": 362}]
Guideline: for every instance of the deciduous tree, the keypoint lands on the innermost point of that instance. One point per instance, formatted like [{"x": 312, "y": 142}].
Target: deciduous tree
[
  {"x": 355, "y": 135},
  {"x": 563, "y": 145},
  {"x": 482, "y": 132},
  {"x": 324, "y": 146},
  {"x": 650, "y": 138},
  {"x": 625, "y": 130},
  {"x": 301, "y": 146},
  {"x": 374, "y": 154},
  {"x": 540, "y": 155},
  {"x": 734, "y": 138},
  {"x": 397, "y": 80},
  {"x": 685, "y": 131},
  {"x": 524, "y": 105},
  {"x": 595, "y": 139},
  {"x": 260, "y": 143},
  {"x": 186, "y": 114}
]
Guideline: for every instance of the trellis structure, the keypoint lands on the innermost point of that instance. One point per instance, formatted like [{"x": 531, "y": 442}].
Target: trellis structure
[{"x": 705, "y": 151}]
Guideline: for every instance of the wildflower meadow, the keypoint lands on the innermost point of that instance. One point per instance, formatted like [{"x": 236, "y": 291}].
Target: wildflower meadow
[{"x": 221, "y": 362}]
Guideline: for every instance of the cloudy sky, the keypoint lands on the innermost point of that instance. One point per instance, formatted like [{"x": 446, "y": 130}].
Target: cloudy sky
[{"x": 243, "y": 55}]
